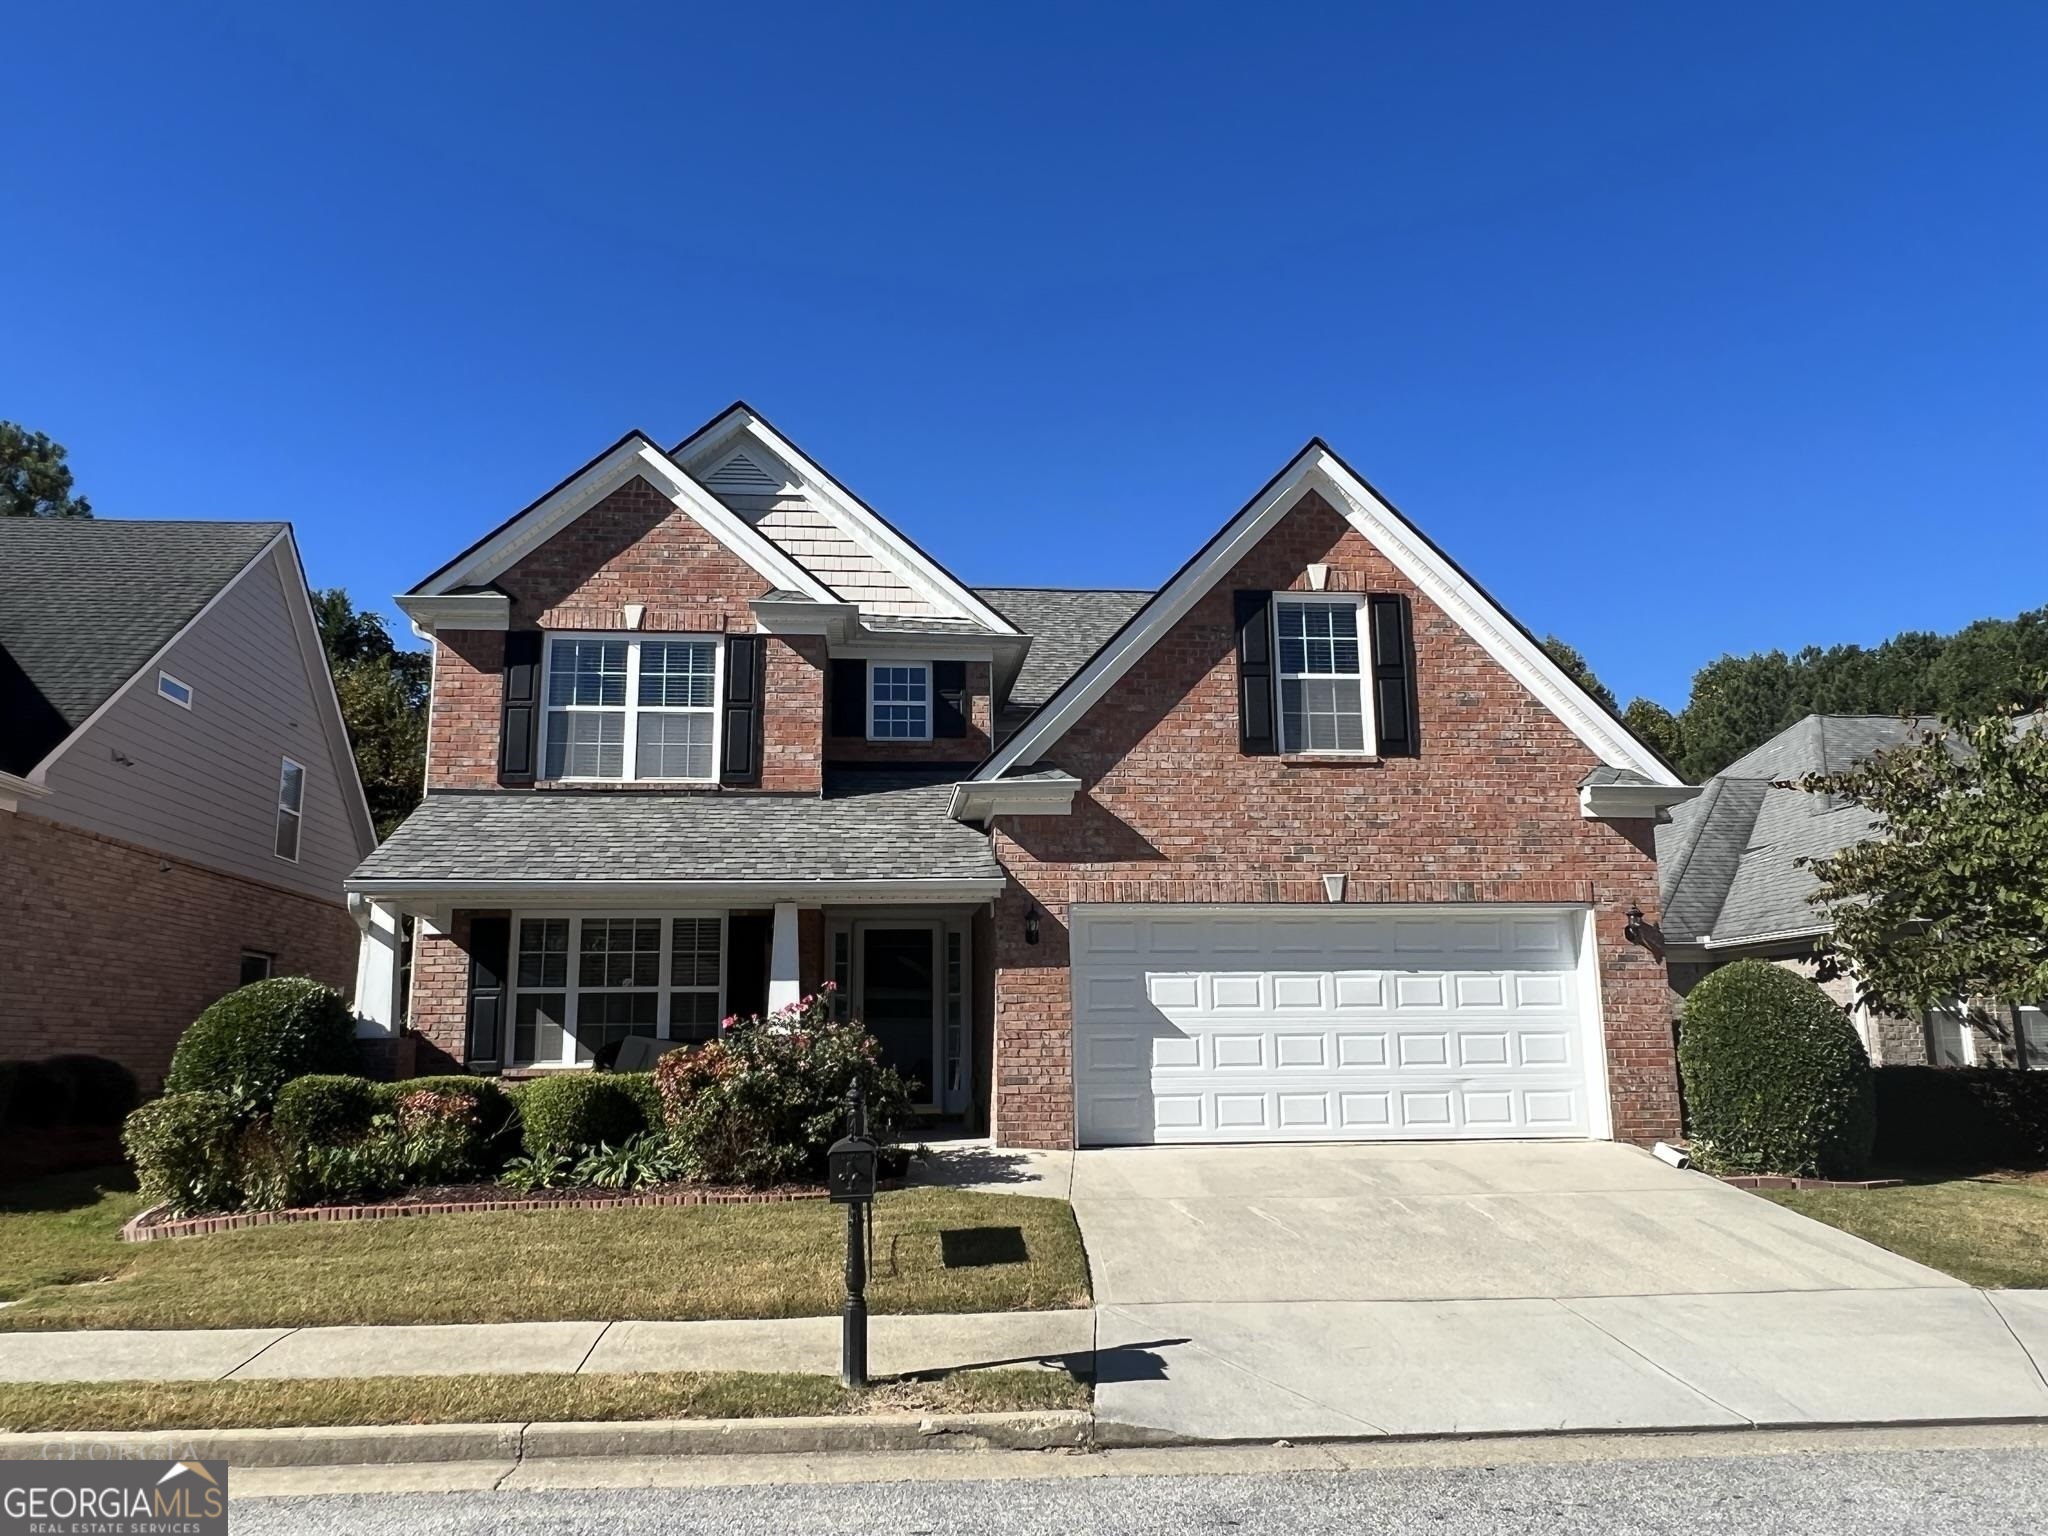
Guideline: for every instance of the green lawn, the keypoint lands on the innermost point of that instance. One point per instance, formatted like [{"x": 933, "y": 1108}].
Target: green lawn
[
  {"x": 142, "y": 1406},
  {"x": 1988, "y": 1231},
  {"x": 1006, "y": 1253},
  {"x": 62, "y": 1229}
]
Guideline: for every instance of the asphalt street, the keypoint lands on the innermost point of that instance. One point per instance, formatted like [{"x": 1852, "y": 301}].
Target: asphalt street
[{"x": 1843, "y": 1490}]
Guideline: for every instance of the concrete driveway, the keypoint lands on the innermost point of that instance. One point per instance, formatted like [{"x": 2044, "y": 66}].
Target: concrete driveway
[{"x": 1291, "y": 1292}]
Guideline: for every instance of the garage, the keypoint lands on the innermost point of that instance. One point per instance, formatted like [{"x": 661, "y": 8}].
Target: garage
[{"x": 1260, "y": 1024}]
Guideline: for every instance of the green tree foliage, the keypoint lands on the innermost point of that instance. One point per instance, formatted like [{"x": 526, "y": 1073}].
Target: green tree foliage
[
  {"x": 383, "y": 693},
  {"x": 1574, "y": 666},
  {"x": 1653, "y": 723},
  {"x": 1949, "y": 897},
  {"x": 1740, "y": 702},
  {"x": 34, "y": 479}
]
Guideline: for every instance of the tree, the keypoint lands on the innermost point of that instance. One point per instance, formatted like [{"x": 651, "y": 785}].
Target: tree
[
  {"x": 1574, "y": 667},
  {"x": 34, "y": 479},
  {"x": 383, "y": 693},
  {"x": 1949, "y": 898},
  {"x": 1655, "y": 724}
]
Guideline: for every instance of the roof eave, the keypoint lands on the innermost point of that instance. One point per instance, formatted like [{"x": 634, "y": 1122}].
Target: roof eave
[{"x": 1632, "y": 802}]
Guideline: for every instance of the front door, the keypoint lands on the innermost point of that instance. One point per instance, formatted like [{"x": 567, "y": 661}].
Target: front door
[{"x": 898, "y": 1000}]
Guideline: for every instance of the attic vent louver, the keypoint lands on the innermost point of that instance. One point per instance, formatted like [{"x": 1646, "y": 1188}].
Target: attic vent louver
[{"x": 740, "y": 473}]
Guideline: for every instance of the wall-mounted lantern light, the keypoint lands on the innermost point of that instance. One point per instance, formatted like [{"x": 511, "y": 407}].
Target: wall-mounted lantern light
[
  {"x": 1031, "y": 926},
  {"x": 1633, "y": 929}
]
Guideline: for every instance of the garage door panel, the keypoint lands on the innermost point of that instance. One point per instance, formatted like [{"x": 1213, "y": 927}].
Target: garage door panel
[{"x": 1241, "y": 1026}]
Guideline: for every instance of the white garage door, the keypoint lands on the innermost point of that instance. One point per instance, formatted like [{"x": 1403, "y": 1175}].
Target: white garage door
[{"x": 1333, "y": 1024}]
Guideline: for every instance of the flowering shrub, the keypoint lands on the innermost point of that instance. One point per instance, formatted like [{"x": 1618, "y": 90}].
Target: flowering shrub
[{"x": 761, "y": 1104}]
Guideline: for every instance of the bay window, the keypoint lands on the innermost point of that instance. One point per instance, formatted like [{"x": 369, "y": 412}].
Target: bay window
[
  {"x": 583, "y": 984},
  {"x": 621, "y": 707}
]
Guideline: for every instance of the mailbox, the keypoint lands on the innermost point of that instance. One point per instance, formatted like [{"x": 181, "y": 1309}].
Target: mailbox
[{"x": 851, "y": 1168}]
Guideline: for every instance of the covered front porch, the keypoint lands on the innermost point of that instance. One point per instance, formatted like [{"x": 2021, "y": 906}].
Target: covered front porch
[{"x": 542, "y": 932}]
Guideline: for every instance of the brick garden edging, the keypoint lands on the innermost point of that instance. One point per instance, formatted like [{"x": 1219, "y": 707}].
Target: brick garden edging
[
  {"x": 1781, "y": 1181},
  {"x": 140, "y": 1229}
]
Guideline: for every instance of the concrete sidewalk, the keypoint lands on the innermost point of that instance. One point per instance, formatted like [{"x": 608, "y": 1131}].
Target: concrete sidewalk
[{"x": 802, "y": 1345}]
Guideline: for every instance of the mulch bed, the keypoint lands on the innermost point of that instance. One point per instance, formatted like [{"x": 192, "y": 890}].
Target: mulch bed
[{"x": 466, "y": 1199}]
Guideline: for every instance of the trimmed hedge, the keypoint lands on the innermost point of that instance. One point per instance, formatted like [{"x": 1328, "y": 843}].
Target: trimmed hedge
[
  {"x": 252, "y": 1042},
  {"x": 1776, "y": 1080},
  {"x": 568, "y": 1110},
  {"x": 328, "y": 1109},
  {"x": 186, "y": 1151},
  {"x": 1961, "y": 1117}
]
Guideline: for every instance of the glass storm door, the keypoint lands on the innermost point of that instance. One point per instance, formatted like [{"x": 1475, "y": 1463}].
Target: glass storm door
[{"x": 899, "y": 1000}]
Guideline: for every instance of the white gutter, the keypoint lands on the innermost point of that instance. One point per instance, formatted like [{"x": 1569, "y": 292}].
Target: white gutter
[
  {"x": 1040, "y": 795},
  {"x": 474, "y": 893}
]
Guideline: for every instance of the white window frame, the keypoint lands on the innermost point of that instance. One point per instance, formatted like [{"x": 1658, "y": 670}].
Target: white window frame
[
  {"x": 1961, "y": 1013},
  {"x": 1369, "y": 727},
  {"x": 570, "y": 990},
  {"x": 164, "y": 692},
  {"x": 297, "y": 812},
  {"x": 630, "y": 753},
  {"x": 269, "y": 963},
  {"x": 930, "y": 699}
]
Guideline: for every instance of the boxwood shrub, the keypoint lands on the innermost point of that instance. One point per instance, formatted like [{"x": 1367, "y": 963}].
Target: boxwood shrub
[
  {"x": 1776, "y": 1080},
  {"x": 252, "y": 1042},
  {"x": 328, "y": 1109},
  {"x": 186, "y": 1151},
  {"x": 568, "y": 1110}
]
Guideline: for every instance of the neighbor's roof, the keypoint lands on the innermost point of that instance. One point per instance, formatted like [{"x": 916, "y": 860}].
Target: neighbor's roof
[
  {"x": 1727, "y": 864},
  {"x": 887, "y": 825},
  {"x": 1067, "y": 625},
  {"x": 84, "y": 602}
]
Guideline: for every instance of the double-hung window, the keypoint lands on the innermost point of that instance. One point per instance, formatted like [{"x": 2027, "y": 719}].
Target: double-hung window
[
  {"x": 291, "y": 809},
  {"x": 582, "y": 984},
  {"x": 621, "y": 708},
  {"x": 1323, "y": 705},
  {"x": 900, "y": 701}
]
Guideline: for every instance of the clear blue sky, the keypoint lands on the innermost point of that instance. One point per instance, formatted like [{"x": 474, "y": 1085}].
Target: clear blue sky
[{"x": 1687, "y": 329}]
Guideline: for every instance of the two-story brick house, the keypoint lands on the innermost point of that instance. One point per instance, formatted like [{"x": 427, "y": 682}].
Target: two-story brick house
[{"x": 1313, "y": 842}]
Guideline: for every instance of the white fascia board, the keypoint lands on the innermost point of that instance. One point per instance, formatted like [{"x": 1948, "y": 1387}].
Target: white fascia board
[
  {"x": 869, "y": 645},
  {"x": 1782, "y": 936},
  {"x": 979, "y": 802},
  {"x": 1316, "y": 468},
  {"x": 1632, "y": 802},
  {"x": 607, "y": 893},
  {"x": 780, "y": 616},
  {"x": 926, "y": 577},
  {"x": 455, "y": 610},
  {"x": 40, "y": 773},
  {"x": 14, "y": 789},
  {"x": 634, "y": 457}
]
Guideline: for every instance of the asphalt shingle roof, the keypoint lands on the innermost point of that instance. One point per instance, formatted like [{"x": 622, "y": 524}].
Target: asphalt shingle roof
[
  {"x": 1067, "y": 625},
  {"x": 84, "y": 602},
  {"x": 867, "y": 826},
  {"x": 1728, "y": 862}
]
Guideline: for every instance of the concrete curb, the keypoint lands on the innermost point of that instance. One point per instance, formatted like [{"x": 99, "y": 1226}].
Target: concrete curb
[{"x": 366, "y": 1445}]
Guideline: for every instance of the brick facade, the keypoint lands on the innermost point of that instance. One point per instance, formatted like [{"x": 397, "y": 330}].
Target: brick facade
[
  {"x": 1171, "y": 811},
  {"x": 111, "y": 949}
]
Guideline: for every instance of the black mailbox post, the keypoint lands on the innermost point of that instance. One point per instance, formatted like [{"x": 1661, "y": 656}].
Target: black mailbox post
[{"x": 851, "y": 1166}]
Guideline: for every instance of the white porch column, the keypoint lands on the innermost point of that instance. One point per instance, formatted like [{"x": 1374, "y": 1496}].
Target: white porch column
[
  {"x": 377, "y": 998},
  {"x": 784, "y": 988}
]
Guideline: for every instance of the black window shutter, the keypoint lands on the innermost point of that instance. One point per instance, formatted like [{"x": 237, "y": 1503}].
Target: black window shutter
[
  {"x": 490, "y": 956},
  {"x": 949, "y": 692},
  {"x": 745, "y": 660},
  {"x": 519, "y": 734},
  {"x": 1393, "y": 674},
  {"x": 849, "y": 698},
  {"x": 1255, "y": 733}
]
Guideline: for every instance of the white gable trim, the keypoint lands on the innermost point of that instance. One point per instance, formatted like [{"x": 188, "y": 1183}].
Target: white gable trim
[
  {"x": 925, "y": 576},
  {"x": 1432, "y": 572},
  {"x": 636, "y": 456}
]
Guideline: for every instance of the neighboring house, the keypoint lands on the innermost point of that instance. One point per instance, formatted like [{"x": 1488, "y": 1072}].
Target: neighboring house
[
  {"x": 1732, "y": 888},
  {"x": 1312, "y": 843},
  {"x": 178, "y": 805}
]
